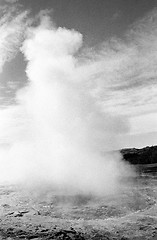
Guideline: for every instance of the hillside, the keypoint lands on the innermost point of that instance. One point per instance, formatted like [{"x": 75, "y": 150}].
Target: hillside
[{"x": 147, "y": 155}]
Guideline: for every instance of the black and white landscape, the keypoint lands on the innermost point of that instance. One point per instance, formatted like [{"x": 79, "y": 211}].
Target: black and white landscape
[{"x": 78, "y": 133}]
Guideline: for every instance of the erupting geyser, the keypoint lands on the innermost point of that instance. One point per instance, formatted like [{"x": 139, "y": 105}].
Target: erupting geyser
[{"x": 57, "y": 131}]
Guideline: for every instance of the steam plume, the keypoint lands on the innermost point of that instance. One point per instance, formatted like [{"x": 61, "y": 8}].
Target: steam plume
[{"x": 57, "y": 132}]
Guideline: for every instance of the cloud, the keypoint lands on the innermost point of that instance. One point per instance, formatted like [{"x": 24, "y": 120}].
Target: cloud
[
  {"x": 13, "y": 24},
  {"x": 12, "y": 27},
  {"x": 149, "y": 121},
  {"x": 11, "y": 1},
  {"x": 123, "y": 71},
  {"x": 116, "y": 15}
]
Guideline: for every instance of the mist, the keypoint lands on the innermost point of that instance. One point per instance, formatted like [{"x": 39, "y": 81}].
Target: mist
[{"x": 58, "y": 134}]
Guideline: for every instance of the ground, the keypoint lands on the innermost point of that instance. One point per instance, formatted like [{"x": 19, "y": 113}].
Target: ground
[{"x": 132, "y": 214}]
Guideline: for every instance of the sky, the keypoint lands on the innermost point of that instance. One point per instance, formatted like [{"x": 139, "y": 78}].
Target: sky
[{"x": 117, "y": 59}]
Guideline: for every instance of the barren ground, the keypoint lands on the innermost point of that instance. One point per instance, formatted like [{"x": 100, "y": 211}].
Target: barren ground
[{"x": 130, "y": 215}]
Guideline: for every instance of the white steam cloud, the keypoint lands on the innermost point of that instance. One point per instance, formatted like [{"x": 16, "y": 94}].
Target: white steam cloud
[{"x": 58, "y": 132}]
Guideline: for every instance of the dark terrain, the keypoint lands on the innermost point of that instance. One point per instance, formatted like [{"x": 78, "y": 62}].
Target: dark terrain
[
  {"x": 129, "y": 215},
  {"x": 147, "y": 155}
]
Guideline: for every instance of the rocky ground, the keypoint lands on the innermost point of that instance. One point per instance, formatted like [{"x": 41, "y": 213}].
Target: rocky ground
[{"x": 49, "y": 215}]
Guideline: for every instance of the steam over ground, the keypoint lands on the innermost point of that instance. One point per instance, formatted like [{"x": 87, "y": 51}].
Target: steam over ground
[{"x": 57, "y": 133}]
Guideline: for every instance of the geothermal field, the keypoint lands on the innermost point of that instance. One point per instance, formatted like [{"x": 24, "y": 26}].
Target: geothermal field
[{"x": 48, "y": 214}]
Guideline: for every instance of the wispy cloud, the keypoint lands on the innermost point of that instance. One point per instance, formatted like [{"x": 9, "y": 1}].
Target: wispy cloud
[
  {"x": 11, "y": 1},
  {"x": 12, "y": 27},
  {"x": 13, "y": 24},
  {"x": 123, "y": 72},
  {"x": 116, "y": 15}
]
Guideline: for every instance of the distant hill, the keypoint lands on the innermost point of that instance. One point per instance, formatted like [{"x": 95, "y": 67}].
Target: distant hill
[{"x": 147, "y": 155}]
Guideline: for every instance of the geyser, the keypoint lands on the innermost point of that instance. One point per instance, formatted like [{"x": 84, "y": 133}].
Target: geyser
[{"x": 57, "y": 132}]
